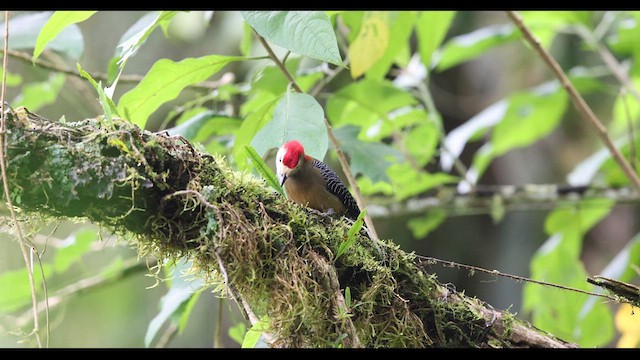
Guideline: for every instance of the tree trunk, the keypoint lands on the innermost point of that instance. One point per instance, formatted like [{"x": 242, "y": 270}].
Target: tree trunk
[{"x": 275, "y": 258}]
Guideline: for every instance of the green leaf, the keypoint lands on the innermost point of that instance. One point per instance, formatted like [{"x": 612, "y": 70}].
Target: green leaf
[
  {"x": 421, "y": 142},
  {"x": 351, "y": 234},
  {"x": 253, "y": 334},
  {"x": 529, "y": 117},
  {"x": 371, "y": 43},
  {"x": 296, "y": 117},
  {"x": 263, "y": 169},
  {"x": 73, "y": 248},
  {"x": 187, "y": 310},
  {"x": 237, "y": 332},
  {"x": 368, "y": 158},
  {"x": 164, "y": 82},
  {"x": 431, "y": 28},
  {"x": 423, "y": 225},
  {"x": 307, "y": 33},
  {"x": 401, "y": 25},
  {"x": 12, "y": 79},
  {"x": 204, "y": 124},
  {"x": 108, "y": 107},
  {"x": 347, "y": 296},
  {"x": 469, "y": 46},
  {"x": 25, "y": 29},
  {"x": 36, "y": 95},
  {"x": 546, "y": 25},
  {"x": 369, "y": 104},
  {"x": 56, "y": 23},
  {"x": 408, "y": 182},
  {"x": 172, "y": 302},
  {"x": 132, "y": 40},
  {"x": 246, "y": 43},
  {"x": 558, "y": 261}
]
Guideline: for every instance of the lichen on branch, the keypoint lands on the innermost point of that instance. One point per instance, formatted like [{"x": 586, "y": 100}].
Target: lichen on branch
[{"x": 174, "y": 201}]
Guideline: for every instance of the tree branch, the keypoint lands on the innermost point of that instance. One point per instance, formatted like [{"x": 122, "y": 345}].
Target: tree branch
[
  {"x": 580, "y": 104},
  {"x": 175, "y": 202}
]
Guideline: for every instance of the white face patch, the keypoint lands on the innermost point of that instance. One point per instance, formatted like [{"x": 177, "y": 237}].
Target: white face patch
[{"x": 280, "y": 167}]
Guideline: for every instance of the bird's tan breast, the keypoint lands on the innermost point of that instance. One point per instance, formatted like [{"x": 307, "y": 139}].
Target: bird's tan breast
[{"x": 309, "y": 189}]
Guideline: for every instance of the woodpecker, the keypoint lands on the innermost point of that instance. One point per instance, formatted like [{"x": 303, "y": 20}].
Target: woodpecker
[{"x": 310, "y": 182}]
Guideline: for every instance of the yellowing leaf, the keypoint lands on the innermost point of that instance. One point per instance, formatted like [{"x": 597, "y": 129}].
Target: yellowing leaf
[
  {"x": 628, "y": 323},
  {"x": 370, "y": 44}
]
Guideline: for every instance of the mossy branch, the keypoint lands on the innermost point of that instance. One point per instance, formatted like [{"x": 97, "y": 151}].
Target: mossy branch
[{"x": 278, "y": 258}]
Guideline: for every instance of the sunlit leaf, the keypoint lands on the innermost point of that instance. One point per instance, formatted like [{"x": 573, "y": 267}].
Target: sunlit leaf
[
  {"x": 469, "y": 46},
  {"x": 558, "y": 261},
  {"x": 253, "y": 334},
  {"x": 401, "y": 24},
  {"x": 409, "y": 182},
  {"x": 164, "y": 82},
  {"x": 15, "y": 288},
  {"x": 296, "y": 117},
  {"x": 56, "y": 23},
  {"x": 529, "y": 117},
  {"x": 431, "y": 28},
  {"x": 365, "y": 103},
  {"x": 307, "y": 33},
  {"x": 237, "y": 331},
  {"x": 371, "y": 43}
]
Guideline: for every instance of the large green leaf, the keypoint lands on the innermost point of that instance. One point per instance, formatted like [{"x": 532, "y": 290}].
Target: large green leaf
[
  {"x": 468, "y": 46},
  {"x": 431, "y": 28},
  {"x": 558, "y": 261},
  {"x": 371, "y": 43},
  {"x": 24, "y": 30},
  {"x": 307, "y": 33},
  {"x": 56, "y": 23},
  {"x": 530, "y": 116},
  {"x": 296, "y": 117},
  {"x": 15, "y": 289},
  {"x": 367, "y": 103},
  {"x": 368, "y": 158},
  {"x": 164, "y": 82}
]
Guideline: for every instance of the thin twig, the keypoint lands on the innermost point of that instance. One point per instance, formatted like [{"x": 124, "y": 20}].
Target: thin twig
[
  {"x": 7, "y": 195},
  {"x": 341, "y": 157},
  {"x": 632, "y": 137},
  {"x": 453, "y": 264},
  {"x": 580, "y": 104}
]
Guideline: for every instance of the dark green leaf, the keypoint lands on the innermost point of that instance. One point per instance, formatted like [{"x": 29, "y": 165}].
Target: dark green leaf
[
  {"x": 307, "y": 33},
  {"x": 368, "y": 158}
]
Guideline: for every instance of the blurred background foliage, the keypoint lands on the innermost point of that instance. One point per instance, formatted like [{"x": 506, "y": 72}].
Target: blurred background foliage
[{"x": 424, "y": 104}]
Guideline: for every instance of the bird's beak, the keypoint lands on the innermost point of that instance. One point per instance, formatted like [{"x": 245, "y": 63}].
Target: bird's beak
[{"x": 282, "y": 178}]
